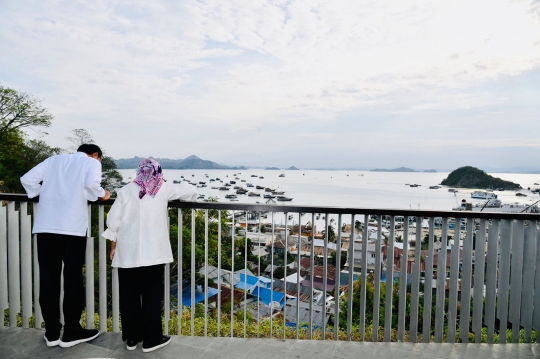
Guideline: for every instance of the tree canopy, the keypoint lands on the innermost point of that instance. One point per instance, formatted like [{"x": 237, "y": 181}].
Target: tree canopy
[{"x": 19, "y": 110}]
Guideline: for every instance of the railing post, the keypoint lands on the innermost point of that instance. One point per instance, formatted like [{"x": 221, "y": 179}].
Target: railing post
[
  {"x": 180, "y": 281},
  {"x": 389, "y": 281},
  {"x": 516, "y": 272},
  {"x": 491, "y": 279},
  {"x": 454, "y": 275},
  {"x": 415, "y": 286},
  {"x": 26, "y": 264},
  {"x": 504, "y": 277},
  {"x": 466, "y": 280},
  {"x": 14, "y": 283},
  {"x": 3, "y": 263},
  {"x": 478, "y": 293},
  {"x": 527, "y": 297},
  {"x": 363, "y": 276},
  {"x": 350, "y": 282},
  {"x": 404, "y": 259},
  {"x": 377, "y": 283},
  {"x": 441, "y": 282},
  {"x": 337, "y": 278},
  {"x": 89, "y": 274},
  {"x": 102, "y": 273}
]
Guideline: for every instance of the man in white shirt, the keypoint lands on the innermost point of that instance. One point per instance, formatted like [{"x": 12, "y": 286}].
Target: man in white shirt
[{"x": 64, "y": 184}]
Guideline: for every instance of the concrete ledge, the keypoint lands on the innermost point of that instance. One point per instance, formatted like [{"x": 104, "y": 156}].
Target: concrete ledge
[{"x": 18, "y": 343}]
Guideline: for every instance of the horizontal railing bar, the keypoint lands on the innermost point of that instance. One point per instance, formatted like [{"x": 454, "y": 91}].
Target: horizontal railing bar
[{"x": 315, "y": 209}]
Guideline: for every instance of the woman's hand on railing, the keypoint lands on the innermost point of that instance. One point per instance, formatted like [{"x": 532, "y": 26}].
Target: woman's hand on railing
[{"x": 106, "y": 196}]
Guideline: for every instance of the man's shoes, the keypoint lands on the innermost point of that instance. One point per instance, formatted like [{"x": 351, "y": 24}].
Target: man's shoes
[
  {"x": 131, "y": 344},
  {"x": 78, "y": 337},
  {"x": 52, "y": 340},
  {"x": 151, "y": 347}
]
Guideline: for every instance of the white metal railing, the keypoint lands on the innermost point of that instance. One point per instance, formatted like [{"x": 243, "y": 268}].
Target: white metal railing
[{"x": 504, "y": 276}]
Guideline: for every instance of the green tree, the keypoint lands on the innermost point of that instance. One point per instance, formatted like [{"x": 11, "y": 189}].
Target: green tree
[
  {"x": 19, "y": 110},
  {"x": 111, "y": 178}
]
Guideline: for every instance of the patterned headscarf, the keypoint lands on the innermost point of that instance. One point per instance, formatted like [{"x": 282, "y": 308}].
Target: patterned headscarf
[{"x": 149, "y": 177}]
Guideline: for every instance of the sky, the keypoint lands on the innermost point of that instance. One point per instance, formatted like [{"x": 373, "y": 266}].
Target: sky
[{"x": 315, "y": 84}]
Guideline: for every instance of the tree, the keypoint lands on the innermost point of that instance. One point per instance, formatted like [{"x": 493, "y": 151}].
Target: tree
[
  {"x": 111, "y": 178},
  {"x": 19, "y": 110}
]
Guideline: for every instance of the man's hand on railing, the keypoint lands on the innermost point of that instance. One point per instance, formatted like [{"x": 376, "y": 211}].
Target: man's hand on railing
[
  {"x": 113, "y": 250},
  {"x": 106, "y": 197}
]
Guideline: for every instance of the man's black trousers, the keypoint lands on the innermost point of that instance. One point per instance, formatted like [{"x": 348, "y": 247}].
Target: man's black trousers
[
  {"x": 141, "y": 295},
  {"x": 53, "y": 249}
]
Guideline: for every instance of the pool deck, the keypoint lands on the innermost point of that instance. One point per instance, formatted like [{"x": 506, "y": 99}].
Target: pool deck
[{"x": 18, "y": 343}]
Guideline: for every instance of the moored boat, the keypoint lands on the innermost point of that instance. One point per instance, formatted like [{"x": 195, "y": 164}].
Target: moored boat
[{"x": 483, "y": 195}]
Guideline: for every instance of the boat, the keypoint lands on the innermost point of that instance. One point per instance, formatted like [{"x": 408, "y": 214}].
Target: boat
[
  {"x": 261, "y": 177},
  {"x": 236, "y": 187},
  {"x": 269, "y": 196},
  {"x": 521, "y": 194},
  {"x": 452, "y": 190},
  {"x": 253, "y": 194},
  {"x": 232, "y": 182},
  {"x": 212, "y": 180},
  {"x": 414, "y": 185},
  {"x": 434, "y": 187},
  {"x": 241, "y": 191},
  {"x": 223, "y": 188},
  {"x": 242, "y": 180},
  {"x": 483, "y": 195},
  {"x": 249, "y": 185},
  {"x": 231, "y": 196},
  {"x": 278, "y": 192},
  {"x": 253, "y": 175},
  {"x": 268, "y": 189},
  {"x": 200, "y": 196},
  {"x": 284, "y": 199},
  {"x": 259, "y": 187}
]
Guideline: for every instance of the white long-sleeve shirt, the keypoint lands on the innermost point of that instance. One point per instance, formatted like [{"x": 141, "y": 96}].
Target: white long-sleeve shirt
[
  {"x": 69, "y": 181},
  {"x": 140, "y": 227}
]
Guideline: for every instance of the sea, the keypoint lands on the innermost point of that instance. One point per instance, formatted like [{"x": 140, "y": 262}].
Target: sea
[{"x": 351, "y": 189}]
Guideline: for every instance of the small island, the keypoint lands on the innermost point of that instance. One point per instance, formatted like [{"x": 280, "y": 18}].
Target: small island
[
  {"x": 292, "y": 168},
  {"x": 272, "y": 168},
  {"x": 400, "y": 169},
  {"x": 472, "y": 177},
  {"x": 430, "y": 171}
]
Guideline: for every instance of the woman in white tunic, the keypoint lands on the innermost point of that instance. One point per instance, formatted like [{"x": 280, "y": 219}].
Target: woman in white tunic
[{"x": 138, "y": 228}]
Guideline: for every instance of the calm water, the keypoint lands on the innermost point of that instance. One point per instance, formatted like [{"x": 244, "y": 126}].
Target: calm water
[{"x": 362, "y": 189}]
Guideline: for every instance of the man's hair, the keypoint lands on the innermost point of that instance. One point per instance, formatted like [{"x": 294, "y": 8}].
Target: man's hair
[{"x": 90, "y": 149}]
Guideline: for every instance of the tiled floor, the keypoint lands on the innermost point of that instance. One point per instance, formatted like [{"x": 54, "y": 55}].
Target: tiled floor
[{"x": 17, "y": 343}]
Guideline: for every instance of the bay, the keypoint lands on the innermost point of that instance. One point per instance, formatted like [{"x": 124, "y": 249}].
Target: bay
[{"x": 352, "y": 189}]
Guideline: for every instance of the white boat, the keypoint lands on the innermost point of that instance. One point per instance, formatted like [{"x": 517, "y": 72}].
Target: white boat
[{"x": 483, "y": 195}]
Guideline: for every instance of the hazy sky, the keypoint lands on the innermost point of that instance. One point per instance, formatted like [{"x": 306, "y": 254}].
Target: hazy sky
[{"x": 302, "y": 82}]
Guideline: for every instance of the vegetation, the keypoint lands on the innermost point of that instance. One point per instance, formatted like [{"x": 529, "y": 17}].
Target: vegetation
[{"x": 472, "y": 177}]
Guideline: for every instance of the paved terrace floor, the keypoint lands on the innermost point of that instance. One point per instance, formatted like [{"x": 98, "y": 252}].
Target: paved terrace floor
[{"x": 17, "y": 343}]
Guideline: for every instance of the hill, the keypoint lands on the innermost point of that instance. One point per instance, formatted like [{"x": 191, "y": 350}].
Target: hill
[
  {"x": 400, "y": 169},
  {"x": 271, "y": 168},
  {"x": 472, "y": 177},
  {"x": 191, "y": 162},
  {"x": 292, "y": 168}
]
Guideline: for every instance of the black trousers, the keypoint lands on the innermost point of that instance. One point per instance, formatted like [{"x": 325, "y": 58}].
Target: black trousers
[
  {"x": 141, "y": 295},
  {"x": 53, "y": 249}
]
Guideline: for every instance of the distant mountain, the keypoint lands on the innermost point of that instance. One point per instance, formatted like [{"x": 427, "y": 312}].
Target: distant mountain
[
  {"x": 191, "y": 162},
  {"x": 292, "y": 168},
  {"x": 271, "y": 168},
  {"x": 400, "y": 169},
  {"x": 430, "y": 171},
  {"x": 472, "y": 177}
]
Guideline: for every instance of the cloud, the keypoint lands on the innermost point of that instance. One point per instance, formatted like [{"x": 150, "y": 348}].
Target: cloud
[{"x": 226, "y": 67}]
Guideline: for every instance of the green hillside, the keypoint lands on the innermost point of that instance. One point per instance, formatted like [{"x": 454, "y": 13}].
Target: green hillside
[{"x": 472, "y": 177}]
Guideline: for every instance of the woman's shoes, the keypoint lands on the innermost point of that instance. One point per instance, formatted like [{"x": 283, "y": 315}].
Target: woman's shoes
[
  {"x": 147, "y": 347},
  {"x": 131, "y": 344}
]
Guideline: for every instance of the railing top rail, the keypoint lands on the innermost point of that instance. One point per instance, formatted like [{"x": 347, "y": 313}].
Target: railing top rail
[{"x": 315, "y": 209}]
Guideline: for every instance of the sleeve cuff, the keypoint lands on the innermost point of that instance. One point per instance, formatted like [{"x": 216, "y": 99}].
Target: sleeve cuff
[{"x": 110, "y": 235}]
